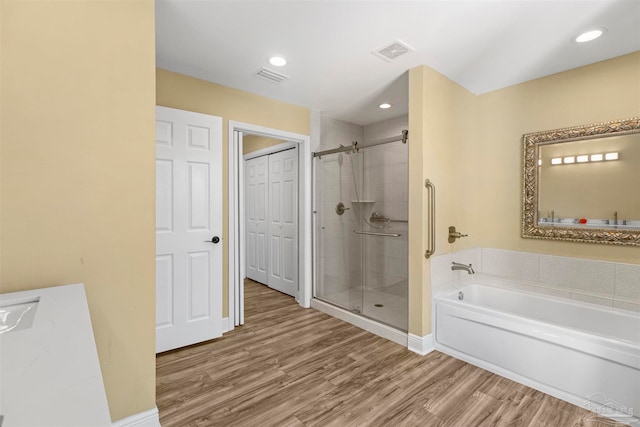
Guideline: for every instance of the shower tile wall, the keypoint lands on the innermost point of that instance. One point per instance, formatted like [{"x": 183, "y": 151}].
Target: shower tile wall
[{"x": 386, "y": 178}]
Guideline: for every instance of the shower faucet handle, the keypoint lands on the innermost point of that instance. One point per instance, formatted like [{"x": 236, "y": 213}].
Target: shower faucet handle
[
  {"x": 453, "y": 234},
  {"x": 340, "y": 208}
]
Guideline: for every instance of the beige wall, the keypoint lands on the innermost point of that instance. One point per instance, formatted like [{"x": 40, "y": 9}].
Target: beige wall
[
  {"x": 441, "y": 122},
  {"x": 77, "y": 172},
  {"x": 251, "y": 143},
  {"x": 187, "y": 93},
  {"x": 471, "y": 148},
  {"x": 604, "y": 91}
]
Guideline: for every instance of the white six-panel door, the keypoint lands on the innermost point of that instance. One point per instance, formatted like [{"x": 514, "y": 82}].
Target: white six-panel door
[
  {"x": 188, "y": 228},
  {"x": 256, "y": 205},
  {"x": 283, "y": 222}
]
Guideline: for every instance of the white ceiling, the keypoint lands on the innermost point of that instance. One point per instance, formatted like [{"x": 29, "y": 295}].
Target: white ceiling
[{"x": 482, "y": 45}]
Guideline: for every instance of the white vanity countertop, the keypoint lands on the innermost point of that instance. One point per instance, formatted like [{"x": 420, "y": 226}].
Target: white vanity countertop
[{"x": 49, "y": 373}]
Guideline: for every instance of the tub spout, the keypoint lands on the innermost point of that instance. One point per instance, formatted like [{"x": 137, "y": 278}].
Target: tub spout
[{"x": 465, "y": 267}]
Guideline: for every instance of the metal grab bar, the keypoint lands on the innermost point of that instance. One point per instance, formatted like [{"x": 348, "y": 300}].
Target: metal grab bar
[
  {"x": 431, "y": 219},
  {"x": 369, "y": 233}
]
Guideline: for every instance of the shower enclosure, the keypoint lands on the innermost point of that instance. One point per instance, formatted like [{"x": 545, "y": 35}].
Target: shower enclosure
[{"x": 360, "y": 219}]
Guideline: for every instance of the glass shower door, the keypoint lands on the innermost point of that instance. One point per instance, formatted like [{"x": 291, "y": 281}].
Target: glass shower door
[
  {"x": 338, "y": 254},
  {"x": 361, "y": 232},
  {"x": 383, "y": 223}
]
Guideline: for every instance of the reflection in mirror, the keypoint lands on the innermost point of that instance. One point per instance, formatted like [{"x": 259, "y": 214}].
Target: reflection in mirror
[
  {"x": 579, "y": 183},
  {"x": 586, "y": 183}
]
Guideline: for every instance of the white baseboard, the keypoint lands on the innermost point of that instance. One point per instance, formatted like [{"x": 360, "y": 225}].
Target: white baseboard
[
  {"x": 421, "y": 345},
  {"x": 150, "y": 418}
]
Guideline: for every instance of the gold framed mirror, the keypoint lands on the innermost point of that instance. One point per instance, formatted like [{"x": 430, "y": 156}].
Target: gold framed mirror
[{"x": 583, "y": 183}]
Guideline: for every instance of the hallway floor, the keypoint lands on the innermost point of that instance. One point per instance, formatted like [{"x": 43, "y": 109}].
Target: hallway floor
[{"x": 289, "y": 366}]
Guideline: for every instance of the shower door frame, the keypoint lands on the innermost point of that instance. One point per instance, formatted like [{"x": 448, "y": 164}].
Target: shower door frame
[
  {"x": 368, "y": 324},
  {"x": 384, "y": 329}
]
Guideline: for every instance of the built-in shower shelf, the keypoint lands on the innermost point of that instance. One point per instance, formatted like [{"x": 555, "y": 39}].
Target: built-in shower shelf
[{"x": 363, "y": 201}]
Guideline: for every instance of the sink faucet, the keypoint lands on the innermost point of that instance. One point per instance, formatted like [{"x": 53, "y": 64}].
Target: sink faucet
[{"x": 465, "y": 267}]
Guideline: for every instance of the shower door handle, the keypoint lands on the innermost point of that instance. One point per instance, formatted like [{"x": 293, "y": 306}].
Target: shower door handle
[{"x": 369, "y": 233}]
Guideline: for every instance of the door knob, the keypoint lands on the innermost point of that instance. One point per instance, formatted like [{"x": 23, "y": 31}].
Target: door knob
[{"x": 214, "y": 239}]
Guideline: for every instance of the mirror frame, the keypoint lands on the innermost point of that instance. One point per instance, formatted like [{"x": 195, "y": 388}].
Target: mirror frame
[{"x": 531, "y": 145}]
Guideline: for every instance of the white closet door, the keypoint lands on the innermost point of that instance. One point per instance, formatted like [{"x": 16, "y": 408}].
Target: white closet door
[
  {"x": 188, "y": 228},
  {"x": 283, "y": 222},
  {"x": 256, "y": 206}
]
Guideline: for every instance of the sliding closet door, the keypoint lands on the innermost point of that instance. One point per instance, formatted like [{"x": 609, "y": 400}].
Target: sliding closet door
[
  {"x": 256, "y": 205},
  {"x": 283, "y": 222}
]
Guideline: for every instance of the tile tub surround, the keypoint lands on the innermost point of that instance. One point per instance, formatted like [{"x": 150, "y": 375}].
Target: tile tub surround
[
  {"x": 50, "y": 374},
  {"x": 598, "y": 282}
]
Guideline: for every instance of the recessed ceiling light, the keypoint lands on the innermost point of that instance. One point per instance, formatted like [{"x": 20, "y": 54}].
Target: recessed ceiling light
[
  {"x": 277, "y": 61},
  {"x": 587, "y": 36},
  {"x": 384, "y": 105}
]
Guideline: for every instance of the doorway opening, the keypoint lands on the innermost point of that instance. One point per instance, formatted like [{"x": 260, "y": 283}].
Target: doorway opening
[{"x": 237, "y": 214}]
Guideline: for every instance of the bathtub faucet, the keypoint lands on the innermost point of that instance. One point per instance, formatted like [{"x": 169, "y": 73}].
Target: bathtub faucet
[{"x": 465, "y": 267}]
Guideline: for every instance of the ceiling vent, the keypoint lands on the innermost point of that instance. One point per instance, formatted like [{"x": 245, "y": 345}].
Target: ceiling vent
[
  {"x": 392, "y": 50},
  {"x": 270, "y": 75}
]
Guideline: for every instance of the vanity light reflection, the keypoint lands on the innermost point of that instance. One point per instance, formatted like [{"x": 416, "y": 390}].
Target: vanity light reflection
[{"x": 584, "y": 158}]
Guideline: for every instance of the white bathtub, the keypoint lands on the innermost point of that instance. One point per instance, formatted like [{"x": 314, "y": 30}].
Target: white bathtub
[{"x": 581, "y": 353}]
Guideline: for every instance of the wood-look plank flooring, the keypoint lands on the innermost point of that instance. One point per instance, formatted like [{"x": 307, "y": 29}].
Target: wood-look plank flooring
[{"x": 289, "y": 366}]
